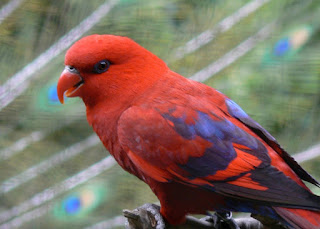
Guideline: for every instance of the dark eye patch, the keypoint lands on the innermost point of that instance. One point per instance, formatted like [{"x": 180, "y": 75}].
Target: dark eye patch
[{"x": 101, "y": 66}]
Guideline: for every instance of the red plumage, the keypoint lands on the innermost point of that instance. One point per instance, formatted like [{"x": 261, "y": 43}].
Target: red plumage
[{"x": 194, "y": 147}]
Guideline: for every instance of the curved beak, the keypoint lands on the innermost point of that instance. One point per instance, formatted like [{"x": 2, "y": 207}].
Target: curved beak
[{"x": 69, "y": 83}]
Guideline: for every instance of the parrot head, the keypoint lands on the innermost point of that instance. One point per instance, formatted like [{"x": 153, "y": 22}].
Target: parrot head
[{"x": 106, "y": 66}]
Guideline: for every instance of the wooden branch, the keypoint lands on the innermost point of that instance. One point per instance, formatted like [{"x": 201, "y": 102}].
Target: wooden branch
[{"x": 147, "y": 216}]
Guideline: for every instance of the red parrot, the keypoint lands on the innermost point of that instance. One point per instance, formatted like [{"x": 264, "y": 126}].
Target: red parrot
[{"x": 195, "y": 148}]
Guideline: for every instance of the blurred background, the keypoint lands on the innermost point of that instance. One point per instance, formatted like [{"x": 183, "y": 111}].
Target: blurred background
[{"x": 54, "y": 172}]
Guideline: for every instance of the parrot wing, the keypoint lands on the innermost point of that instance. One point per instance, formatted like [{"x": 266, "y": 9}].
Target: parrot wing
[
  {"x": 211, "y": 150},
  {"x": 236, "y": 111}
]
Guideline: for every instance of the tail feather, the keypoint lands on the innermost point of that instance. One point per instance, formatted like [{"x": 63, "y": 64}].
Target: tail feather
[{"x": 300, "y": 218}]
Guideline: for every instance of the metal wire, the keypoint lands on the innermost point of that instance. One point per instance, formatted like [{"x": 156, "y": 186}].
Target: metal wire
[
  {"x": 8, "y": 8},
  {"x": 223, "y": 26},
  {"x": 54, "y": 191},
  {"x": 233, "y": 55},
  {"x": 19, "y": 82},
  {"x": 117, "y": 221},
  {"x": 44, "y": 166}
]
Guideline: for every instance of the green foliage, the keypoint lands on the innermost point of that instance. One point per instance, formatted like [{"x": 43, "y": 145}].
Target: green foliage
[{"x": 283, "y": 95}]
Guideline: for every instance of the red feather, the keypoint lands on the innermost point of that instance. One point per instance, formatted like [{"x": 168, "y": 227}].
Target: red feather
[{"x": 194, "y": 147}]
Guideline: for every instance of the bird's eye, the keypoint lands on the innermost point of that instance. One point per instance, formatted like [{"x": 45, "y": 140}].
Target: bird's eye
[{"x": 101, "y": 66}]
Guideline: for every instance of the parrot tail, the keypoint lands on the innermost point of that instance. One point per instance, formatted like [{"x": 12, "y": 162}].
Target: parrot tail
[{"x": 300, "y": 218}]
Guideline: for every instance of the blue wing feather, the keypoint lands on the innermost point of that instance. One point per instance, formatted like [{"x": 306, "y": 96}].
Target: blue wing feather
[
  {"x": 236, "y": 111},
  {"x": 222, "y": 134}
]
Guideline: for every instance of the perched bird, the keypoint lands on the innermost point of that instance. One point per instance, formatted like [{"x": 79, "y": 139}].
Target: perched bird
[{"x": 195, "y": 148}]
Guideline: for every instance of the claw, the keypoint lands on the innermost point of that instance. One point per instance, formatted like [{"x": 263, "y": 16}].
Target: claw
[
  {"x": 226, "y": 218},
  {"x": 147, "y": 214},
  {"x": 222, "y": 220},
  {"x": 157, "y": 219}
]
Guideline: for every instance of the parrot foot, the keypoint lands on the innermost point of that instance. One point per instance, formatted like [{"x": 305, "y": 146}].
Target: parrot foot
[
  {"x": 148, "y": 217},
  {"x": 142, "y": 217},
  {"x": 223, "y": 220}
]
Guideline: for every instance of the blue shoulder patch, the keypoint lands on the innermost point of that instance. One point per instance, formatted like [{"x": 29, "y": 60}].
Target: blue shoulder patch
[
  {"x": 222, "y": 134},
  {"x": 235, "y": 110},
  {"x": 181, "y": 127}
]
